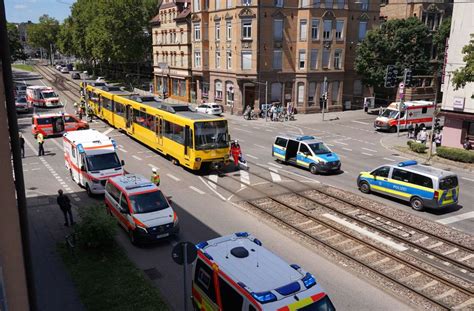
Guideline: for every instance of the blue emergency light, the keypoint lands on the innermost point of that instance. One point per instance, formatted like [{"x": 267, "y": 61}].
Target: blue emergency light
[
  {"x": 407, "y": 163},
  {"x": 80, "y": 148},
  {"x": 304, "y": 137},
  {"x": 309, "y": 280},
  {"x": 241, "y": 234},
  {"x": 114, "y": 144},
  {"x": 264, "y": 297}
]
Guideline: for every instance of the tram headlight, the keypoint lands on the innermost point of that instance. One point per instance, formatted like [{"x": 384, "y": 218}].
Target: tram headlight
[{"x": 198, "y": 159}]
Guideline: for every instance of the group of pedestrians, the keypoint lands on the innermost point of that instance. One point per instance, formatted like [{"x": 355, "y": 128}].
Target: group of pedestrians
[{"x": 277, "y": 112}]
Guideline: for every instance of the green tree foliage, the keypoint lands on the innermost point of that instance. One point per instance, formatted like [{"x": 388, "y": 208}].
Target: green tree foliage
[
  {"x": 465, "y": 74},
  {"x": 65, "y": 41},
  {"x": 43, "y": 34},
  {"x": 399, "y": 42},
  {"x": 439, "y": 38},
  {"x": 16, "y": 49}
]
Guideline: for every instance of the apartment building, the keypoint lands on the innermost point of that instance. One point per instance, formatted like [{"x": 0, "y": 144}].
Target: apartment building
[
  {"x": 458, "y": 105},
  {"x": 172, "y": 50},
  {"x": 430, "y": 12},
  {"x": 241, "y": 48}
]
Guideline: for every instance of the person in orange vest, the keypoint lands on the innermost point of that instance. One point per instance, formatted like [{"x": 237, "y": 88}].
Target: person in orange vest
[
  {"x": 155, "y": 177},
  {"x": 235, "y": 152}
]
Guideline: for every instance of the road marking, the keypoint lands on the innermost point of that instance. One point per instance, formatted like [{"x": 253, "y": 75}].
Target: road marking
[
  {"x": 244, "y": 177},
  {"x": 388, "y": 159},
  {"x": 330, "y": 145},
  {"x": 173, "y": 177},
  {"x": 107, "y": 131},
  {"x": 136, "y": 158},
  {"x": 213, "y": 178},
  {"x": 260, "y": 146},
  {"x": 340, "y": 143},
  {"x": 344, "y": 148},
  {"x": 273, "y": 164},
  {"x": 367, "y": 233},
  {"x": 208, "y": 184},
  {"x": 123, "y": 150},
  {"x": 360, "y": 122},
  {"x": 251, "y": 156},
  {"x": 256, "y": 127},
  {"x": 456, "y": 218},
  {"x": 268, "y": 130},
  {"x": 275, "y": 176},
  {"x": 197, "y": 190},
  {"x": 367, "y": 154},
  {"x": 242, "y": 130},
  {"x": 152, "y": 166},
  {"x": 35, "y": 169},
  {"x": 465, "y": 178},
  {"x": 369, "y": 149}
]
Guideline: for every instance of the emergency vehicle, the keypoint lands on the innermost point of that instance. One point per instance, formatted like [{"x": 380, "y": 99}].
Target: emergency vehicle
[
  {"x": 42, "y": 96},
  {"x": 140, "y": 208},
  {"x": 421, "y": 185},
  {"x": 413, "y": 113},
  {"x": 91, "y": 159},
  {"x": 236, "y": 272},
  {"x": 52, "y": 124}
]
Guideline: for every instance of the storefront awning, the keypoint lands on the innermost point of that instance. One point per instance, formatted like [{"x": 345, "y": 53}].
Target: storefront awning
[{"x": 457, "y": 115}]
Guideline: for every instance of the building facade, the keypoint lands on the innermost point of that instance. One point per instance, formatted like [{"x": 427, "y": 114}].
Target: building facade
[
  {"x": 430, "y": 12},
  {"x": 458, "y": 105},
  {"x": 172, "y": 50},
  {"x": 247, "y": 52}
]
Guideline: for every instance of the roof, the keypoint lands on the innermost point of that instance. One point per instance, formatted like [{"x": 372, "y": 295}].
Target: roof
[
  {"x": 134, "y": 183},
  {"x": 306, "y": 138},
  {"x": 260, "y": 271},
  {"x": 87, "y": 137},
  {"x": 51, "y": 114},
  {"x": 423, "y": 169},
  {"x": 184, "y": 13},
  {"x": 39, "y": 87}
]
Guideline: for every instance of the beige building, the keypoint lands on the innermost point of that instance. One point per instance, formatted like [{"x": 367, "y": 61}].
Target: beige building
[
  {"x": 240, "y": 47},
  {"x": 172, "y": 50},
  {"x": 431, "y": 12}
]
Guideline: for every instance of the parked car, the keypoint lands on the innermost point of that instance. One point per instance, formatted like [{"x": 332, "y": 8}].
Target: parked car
[
  {"x": 59, "y": 67},
  {"x": 21, "y": 105},
  {"x": 20, "y": 89},
  {"x": 210, "y": 108},
  {"x": 100, "y": 79},
  {"x": 75, "y": 76},
  {"x": 64, "y": 70}
]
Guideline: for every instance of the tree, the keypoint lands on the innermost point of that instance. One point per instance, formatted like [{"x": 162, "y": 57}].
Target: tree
[
  {"x": 466, "y": 74},
  {"x": 44, "y": 34},
  {"x": 16, "y": 48},
  {"x": 399, "y": 42},
  {"x": 439, "y": 38},
  {"x": 65, "y": 41}
]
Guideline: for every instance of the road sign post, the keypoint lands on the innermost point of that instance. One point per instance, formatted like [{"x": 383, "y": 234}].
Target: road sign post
[
  {"x": 401, "y": 90},
  {"x": 183, "y": 254}
]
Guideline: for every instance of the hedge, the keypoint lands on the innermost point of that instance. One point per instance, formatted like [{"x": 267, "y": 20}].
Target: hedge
[
  {"x": 417, "y": 147},
  {"x": 455, "y": 154}
]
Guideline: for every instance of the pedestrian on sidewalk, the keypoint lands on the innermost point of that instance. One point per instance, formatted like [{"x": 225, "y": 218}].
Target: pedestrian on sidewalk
[
  {"x": 40, "y": 140},
  {"x": 65, "y": 206},
  {"x": 422, "y": 136},
  {"x": 155, "y": 177},
  {"x": 22, "y": 145},
  {"x": 467, "y": 144}
]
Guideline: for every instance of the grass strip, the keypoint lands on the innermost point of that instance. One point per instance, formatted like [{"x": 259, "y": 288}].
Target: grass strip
[
  {"x": 107, "y": 280},
  {"x": 23, "y": 67}
]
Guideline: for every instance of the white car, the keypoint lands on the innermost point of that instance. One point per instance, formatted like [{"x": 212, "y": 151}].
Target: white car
[
  {"x": 21, "y": 105},
  {"x": 210, "y": 108},
  {"x": 100, "y": 79},
  {"x": 64, "y": 70}
]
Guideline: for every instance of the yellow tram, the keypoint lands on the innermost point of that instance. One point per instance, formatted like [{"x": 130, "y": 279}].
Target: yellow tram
[{"x": 188, "y": 138}]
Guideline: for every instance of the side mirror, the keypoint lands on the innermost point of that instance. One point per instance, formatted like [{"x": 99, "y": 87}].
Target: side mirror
[
  {"x": 83, "y": 168},
  {"x": 122, "y": 162}
]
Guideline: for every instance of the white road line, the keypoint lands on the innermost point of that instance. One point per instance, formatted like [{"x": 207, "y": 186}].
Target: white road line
[
  {"x": 340, "y": 143},
  {"x": 275, "y": 177},
  {"x": 136, "y": 158},
  {"x": 360, "y": 122},
  {"x": 107, "y": 131},
  {"x": 260, "y": 146},
  {"x": 173, "y": 177},
  {"x": 256, "y": 127},
  {"x": 242, "y": 130},
  {"x": 388, "y": 159},
  {"x": 344, "y": 148},
  {"x": 36, "y": 169},
  {"x": 367, "y": 154},
  {"x": 208, "y": 184},
  {"x": 275, "y": 165},
  {"x": 123, "y": 150},
  {"x": 196, "y": 189},
  {"x": 214, "y": 179},
  {"x": 456, "y": 218},
  {"x": 330, "y": 145},
  {"x": 367, "y": 233},
  {"x": 77, "y": 199},
  {"x": 152, "y": 166},
  {"x": 251, "y": 156},
  {"x": 465, "y": 178},
  {"x": 268, "y": 130},
  {"x": 369, "y": 149},
  {"x": 245, "y": 177}
]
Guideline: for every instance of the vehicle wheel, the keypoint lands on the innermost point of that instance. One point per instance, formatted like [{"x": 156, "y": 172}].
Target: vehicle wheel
[
  {"x": 88, "y": 190},
  {"x": 131, "y": 237},
  {"x": 313, "y": 169},
  {"x": 174, "y": 161},
  {"x": 417, "y": 204},
  {"x": 364, "y": 187},
  {"x": 393, "y": 129}
]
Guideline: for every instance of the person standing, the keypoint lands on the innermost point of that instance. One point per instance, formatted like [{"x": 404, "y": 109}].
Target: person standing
[
  {"x": 22, "y": 145},
  {"x": 235, "y": 152},
  {"x": 155, "y": 177},
  {"x": 423, "y": 136},
  {"x": 40, "y": 140},
  {"x": 65, "y": 206},
  {"x": 467, "y": 144}
]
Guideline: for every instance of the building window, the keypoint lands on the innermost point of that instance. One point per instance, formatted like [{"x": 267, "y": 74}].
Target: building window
[
  {"x": 339, "y": 29},
  {"x": 197, "y": 32},
  {"x": 301, "y": 59},
  {"x": 229, "y": 90},
  {"x": 218, "y": 92},
  {"x": 358, "y": 87},
  {"x": 326, "y": 56},
  {"x": 316, "y": 3},
  {"x": 279, "y": 3},
  {"x": 218, "y": 59},
  {"x": 229, "y": 60},
  {"x": 314, "y": 59},
  {"x": 277, "y": 58},
  {"x": 338, "y": 59},
  {"x": 205, "y": 90},
  {"x": 364, "y": 5},
  {"x": 246, "y": 2},
  {"x": 328, "y": 4},
  {"x": 335, "y": 92},
  {"x": 228, "y": 4},
  {"x": 217, "y": 4},
  {"x": 218, "y": 31},
  {"x": 197, "y": 5},
  {"x": 246, "y": 60},
  {"x": 315, "y": 29},
  {"x": 300, "y": 93},
  {"x": 197, "y": 59},
  {"x": 303, "y": 30},
  {"x": 340, "y": 4},
  {"x": 278, "y": 30},
  {"x": 327, "y": 29},
  {"x": 275, "y": 93},
  {"x": 362, "y": 30},
  {"x": 228, "y": 30},
  {"x": 311, "y": 93},
  {"x": 246, "y": 29},
  {"x": 304, "y": 3},
  {"x": 182, "y": 60}
]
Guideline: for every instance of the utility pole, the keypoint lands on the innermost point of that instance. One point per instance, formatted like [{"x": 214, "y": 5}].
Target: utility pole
[
  {"x": 266, "y": 101},
  {"x": 325, "y": 94},
  {"x": 402, "y": 96},
  {"x": 51, "y": 53},
  {"x": 435, "y": 114}
]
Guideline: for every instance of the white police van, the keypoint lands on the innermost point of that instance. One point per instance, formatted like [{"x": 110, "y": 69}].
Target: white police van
[
  {"x": 236, "y": 272},
  {"x": 306, "y": 151}
]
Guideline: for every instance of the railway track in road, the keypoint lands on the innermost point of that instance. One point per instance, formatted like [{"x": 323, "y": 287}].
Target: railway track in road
[{"x": 389, "y": 248}]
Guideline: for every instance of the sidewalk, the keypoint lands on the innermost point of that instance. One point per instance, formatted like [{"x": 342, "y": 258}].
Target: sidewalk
[{"x": 54, "y": 287}]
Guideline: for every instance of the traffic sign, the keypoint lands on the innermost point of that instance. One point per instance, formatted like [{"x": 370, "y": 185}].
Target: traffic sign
[{"x": 182, "y": 250}]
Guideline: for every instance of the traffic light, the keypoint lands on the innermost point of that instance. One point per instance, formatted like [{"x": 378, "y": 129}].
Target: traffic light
[
  {"x": 322, "y": 100},
  {"x": 408, "y": 78},
  {"x": 391, "y": 76}
]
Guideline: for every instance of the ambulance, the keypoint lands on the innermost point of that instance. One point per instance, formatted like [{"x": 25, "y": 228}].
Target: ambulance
[
  {"x": 91, "y": 159},
  {"x": 236, "y": 272},
  {"x": 42, "y": 96},
  {"x": 413, "y": 113}
]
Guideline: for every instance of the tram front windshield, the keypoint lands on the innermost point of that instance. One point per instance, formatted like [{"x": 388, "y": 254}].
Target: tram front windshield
[{"x": 211, "y": 135}]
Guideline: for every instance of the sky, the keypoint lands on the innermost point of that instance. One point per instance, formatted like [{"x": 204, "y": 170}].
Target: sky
[{"x": 30, "y": 10}]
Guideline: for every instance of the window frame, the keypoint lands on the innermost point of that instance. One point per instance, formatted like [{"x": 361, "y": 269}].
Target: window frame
[{"x": 246, "y": 29}]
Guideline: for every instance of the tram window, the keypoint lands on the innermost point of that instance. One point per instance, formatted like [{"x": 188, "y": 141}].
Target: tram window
[
  {"x": 174, "y": 132},
  {"x": 143, "y": 119},
  {"x": 119, "y": 109},
  {"x": 107, "y": 104}
]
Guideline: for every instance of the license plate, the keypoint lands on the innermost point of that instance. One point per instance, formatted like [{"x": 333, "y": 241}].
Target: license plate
[{"x": 159, "y": 236}]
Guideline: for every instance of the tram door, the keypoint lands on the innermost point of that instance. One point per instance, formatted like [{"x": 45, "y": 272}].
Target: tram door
[
  {"x": 188, "y": 142},
  {"x": 129, "y": 117},
  {"x": 159, "y": 130}
]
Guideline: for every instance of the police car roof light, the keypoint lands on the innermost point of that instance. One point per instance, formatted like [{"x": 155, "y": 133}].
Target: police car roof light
[
  {"x": 201, "y": 245},
  {"x": 241, "y": 234},
  {"x": 309, "y": 280},
  {"x": 407, "y": 163},
  {"x": 304, "y": 137},
  {"x": 264, "y": 297},
  {"x": 288, "y": 289}
]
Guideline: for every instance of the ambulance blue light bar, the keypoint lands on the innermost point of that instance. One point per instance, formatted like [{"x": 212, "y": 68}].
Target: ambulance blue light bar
[
  {"x": 114, "y": 144},
  {"x": 407, "y": 163},
  {"x": 241, "y": 234},
  {"x": 288, "y": 289},
  {"x": 201, "y": 245},
  {"x": 309, "y": 280},
  {"x": 80, "y": 148},
  {"x": 264, "y": 297}
]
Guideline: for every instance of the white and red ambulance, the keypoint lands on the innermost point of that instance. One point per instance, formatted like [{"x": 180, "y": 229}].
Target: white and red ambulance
[
  {"x": 413, "y": 113},
  {"x": 42, "y": 96},
  {"x": 91, "y": 159}
]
